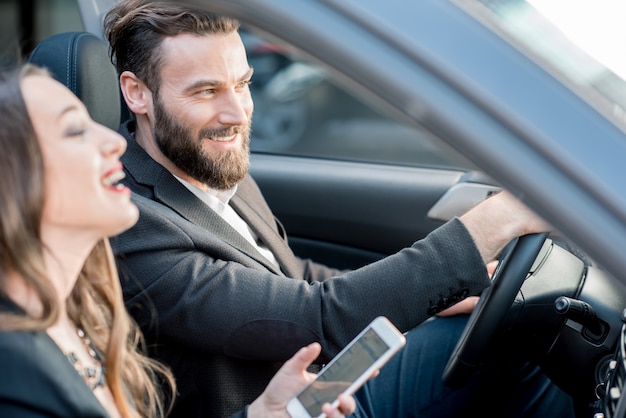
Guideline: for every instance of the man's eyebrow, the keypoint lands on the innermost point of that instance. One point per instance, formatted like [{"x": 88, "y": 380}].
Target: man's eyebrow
[
  {"x": 199, "y": 84},
  {"x": 248, "y": 74}
]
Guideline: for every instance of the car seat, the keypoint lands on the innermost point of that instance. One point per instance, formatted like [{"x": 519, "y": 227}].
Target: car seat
[{"x": 80, "y": 61}]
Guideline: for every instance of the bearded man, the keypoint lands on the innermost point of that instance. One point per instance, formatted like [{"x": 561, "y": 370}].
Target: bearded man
[{"x": 207, "y": 271}]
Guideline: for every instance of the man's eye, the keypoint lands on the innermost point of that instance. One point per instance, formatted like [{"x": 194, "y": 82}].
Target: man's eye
[{"x": 207, "y": 91}]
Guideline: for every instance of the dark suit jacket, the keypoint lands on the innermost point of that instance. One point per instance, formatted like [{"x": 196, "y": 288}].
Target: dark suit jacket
[
  {"x": 220, "y": 314},
  {"x": 37, "y": 380}
]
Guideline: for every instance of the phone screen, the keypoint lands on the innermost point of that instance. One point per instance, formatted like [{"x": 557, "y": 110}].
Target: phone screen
[{"x": 342, "y": 372}]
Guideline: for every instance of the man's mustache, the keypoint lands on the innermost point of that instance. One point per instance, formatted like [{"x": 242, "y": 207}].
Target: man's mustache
[{"x": 222, "y": 132}]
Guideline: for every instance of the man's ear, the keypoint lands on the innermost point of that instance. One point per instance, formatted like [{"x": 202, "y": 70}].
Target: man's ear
[{"x": 137, "y": 96}]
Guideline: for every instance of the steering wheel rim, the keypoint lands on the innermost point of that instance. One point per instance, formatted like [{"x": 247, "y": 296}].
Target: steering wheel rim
[{"x": 492, "y": 307}]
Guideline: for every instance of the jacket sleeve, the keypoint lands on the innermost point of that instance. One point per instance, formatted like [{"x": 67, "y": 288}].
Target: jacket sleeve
[{"x": 187, "y": 287}]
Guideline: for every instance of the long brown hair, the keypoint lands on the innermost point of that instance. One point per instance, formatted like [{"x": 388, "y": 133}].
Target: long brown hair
[{"x": 96, "y": 302}]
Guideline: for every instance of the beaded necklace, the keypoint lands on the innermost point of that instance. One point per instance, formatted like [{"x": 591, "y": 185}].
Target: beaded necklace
[{"x": 93, "y": 376}]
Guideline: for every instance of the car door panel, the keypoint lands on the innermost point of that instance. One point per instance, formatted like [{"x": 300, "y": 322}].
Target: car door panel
[{"x": 347, "y": 214}]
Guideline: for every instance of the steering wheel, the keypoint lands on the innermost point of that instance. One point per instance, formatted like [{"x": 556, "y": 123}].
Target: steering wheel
[{"x": 492, "y": 307}]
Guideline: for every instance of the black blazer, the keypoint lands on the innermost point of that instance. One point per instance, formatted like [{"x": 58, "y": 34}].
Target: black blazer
[
  {"x": 224, "y": 318},
  {"x": 37, "y": 380}
]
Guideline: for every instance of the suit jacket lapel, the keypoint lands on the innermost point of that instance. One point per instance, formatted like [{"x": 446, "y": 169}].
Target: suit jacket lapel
[
  {"x": 283, "y": 253},
  {"x": 170, "y": 192}
]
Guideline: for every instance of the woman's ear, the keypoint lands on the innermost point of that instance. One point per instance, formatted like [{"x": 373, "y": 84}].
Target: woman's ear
[{"x": 136, "y": 94}]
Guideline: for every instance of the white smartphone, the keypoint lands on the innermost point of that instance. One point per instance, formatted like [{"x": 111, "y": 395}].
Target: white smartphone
[{"x": 349, "y": 369}]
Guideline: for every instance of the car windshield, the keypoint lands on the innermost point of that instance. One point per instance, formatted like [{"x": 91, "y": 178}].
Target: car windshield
[{"x": 579, "y": 41}]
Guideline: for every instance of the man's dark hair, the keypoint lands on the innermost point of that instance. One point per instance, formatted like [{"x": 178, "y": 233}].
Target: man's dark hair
[{"x": 135, "y": 30}]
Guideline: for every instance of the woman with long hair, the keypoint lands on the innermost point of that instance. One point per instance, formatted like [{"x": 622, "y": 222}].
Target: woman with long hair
[{"x": 67, "y": 345}]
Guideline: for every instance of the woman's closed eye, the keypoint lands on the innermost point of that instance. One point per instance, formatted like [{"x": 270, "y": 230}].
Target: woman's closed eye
[{"x": 75, "y": 132}]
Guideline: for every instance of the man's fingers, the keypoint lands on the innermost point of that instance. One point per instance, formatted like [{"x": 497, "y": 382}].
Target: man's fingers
[{"x": 466, "y": 306}]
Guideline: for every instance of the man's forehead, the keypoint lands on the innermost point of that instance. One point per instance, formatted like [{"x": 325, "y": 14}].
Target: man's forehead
[
  {"x": 196, "y": 47},
  {"x": 204, "y": 59}
]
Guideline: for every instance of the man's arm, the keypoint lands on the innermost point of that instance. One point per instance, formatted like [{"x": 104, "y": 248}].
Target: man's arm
[{"x": 179, "y": 286}]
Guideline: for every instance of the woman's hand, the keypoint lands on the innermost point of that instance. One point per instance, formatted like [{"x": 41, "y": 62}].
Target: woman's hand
[{"x": 288, "y": 382}]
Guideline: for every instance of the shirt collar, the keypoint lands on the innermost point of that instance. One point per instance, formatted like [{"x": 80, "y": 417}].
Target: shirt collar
[{"x": 223, "y": 196}]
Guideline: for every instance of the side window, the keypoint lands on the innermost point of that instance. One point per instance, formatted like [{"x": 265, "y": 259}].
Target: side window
[{"x": 300, "y": 110}]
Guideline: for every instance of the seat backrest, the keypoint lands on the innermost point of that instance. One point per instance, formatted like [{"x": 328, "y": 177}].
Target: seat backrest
[{"x": 80, "y": 60}]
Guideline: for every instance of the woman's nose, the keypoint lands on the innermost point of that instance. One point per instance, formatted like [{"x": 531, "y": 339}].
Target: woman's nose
[{"x": 111, "y": 141}]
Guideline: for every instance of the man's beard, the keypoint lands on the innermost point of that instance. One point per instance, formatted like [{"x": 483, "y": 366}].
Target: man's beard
[{"x": 178, "y": 144}]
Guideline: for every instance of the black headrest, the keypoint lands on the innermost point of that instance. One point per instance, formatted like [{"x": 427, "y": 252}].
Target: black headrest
[{"x": 80, "y": 60}]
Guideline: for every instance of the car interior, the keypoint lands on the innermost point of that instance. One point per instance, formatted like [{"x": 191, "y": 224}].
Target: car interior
[{"x": 571, "y": 324}]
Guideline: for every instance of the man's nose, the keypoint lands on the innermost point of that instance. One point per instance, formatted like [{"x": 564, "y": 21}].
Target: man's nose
[{"x": 235, "y": 108}]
